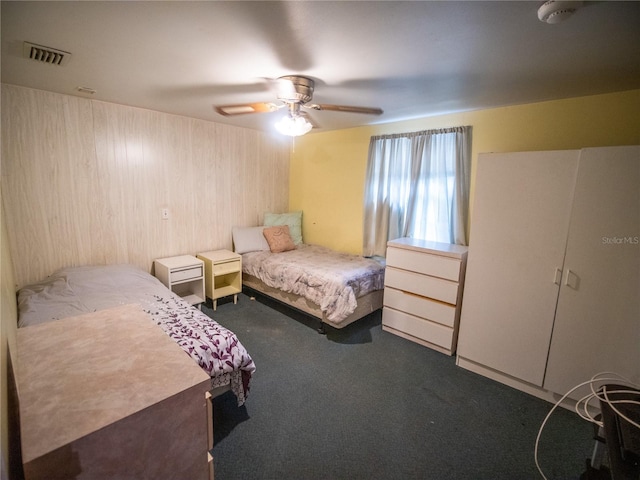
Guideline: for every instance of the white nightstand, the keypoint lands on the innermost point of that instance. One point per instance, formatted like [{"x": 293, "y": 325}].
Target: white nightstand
[
  {"x": 183, "y": 275},
  {"x": 223, "y": 274}
]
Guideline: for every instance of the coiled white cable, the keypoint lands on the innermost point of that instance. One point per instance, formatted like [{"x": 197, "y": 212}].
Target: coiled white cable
[{"x": 582, "y": 406}]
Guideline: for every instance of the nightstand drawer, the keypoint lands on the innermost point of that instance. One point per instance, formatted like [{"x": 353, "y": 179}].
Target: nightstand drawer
[
  {"x": 438, "y": 312},
  {"x": 424, "y": 285},
  {"x": 222, "y": 268},
  {"x": 418, "y": 327},
  {"x": 420, "y": 262},
  {"x": 186, "y": 274}
]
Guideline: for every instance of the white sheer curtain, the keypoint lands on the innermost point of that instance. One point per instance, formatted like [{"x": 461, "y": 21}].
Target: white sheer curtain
[{"x": 417, "y": 185}]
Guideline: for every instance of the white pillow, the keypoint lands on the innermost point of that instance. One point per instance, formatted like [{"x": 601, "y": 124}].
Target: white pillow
[{"x": 248, "y": 239}]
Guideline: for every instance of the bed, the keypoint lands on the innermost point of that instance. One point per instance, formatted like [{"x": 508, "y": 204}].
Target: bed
[
  {"x": 70, "y": 292},
  {"x": 336, "y": 288}
]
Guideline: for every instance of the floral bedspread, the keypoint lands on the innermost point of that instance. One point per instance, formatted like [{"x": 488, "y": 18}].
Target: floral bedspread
[
  {"x": 216, "y": 349},
  {"x": 74, "y": 291},
  {"x": 330, "y": 279}
]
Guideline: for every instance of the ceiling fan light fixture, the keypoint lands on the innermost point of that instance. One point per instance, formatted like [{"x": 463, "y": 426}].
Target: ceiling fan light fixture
[
  {"x": 293, "y": 126},
  {"x": 294, "y": 92}
]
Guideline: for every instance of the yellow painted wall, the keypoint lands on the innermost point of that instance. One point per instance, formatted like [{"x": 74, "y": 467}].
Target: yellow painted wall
[{"x": 328, "y": 169}]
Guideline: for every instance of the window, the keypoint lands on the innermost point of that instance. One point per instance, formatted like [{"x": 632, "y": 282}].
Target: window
[{"x": 417, "y": 186}]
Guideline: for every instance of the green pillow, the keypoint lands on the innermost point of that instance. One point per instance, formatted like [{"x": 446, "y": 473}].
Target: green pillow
[{"x": 292, "y": 219}]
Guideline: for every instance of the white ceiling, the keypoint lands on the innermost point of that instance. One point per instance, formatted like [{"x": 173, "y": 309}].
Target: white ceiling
[{"x": 412, "y": 59}]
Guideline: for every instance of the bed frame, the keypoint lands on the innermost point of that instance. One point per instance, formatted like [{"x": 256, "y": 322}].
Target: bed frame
[{"x": 366, "y": 304}]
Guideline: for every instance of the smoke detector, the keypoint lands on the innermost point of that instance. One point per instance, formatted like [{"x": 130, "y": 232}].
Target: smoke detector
[{"x": 556, "y": 11}]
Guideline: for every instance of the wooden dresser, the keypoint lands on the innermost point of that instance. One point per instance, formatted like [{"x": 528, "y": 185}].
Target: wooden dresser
[
  {"x": 109, "y": 395},
  {"x": 423, "y": 292}
]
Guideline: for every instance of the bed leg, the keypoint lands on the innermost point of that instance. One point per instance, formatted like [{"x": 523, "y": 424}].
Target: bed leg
[{"x": 321, "y": 329}]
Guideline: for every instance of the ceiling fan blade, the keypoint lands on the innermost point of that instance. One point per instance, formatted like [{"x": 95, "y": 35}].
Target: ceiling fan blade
[
  {"x": 346, "y": 108},
  {"x": 243, "y": 108}
]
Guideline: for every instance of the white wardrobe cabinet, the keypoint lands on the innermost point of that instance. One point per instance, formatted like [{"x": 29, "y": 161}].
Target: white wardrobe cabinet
[{"x": 553, "y": 272}]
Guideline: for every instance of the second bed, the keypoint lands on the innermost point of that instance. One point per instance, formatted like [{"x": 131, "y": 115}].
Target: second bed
[{"x": 335, "y": 287}]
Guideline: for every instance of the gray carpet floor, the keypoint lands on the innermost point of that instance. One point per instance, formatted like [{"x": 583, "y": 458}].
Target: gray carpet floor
[{"x": 361, "y": 403}]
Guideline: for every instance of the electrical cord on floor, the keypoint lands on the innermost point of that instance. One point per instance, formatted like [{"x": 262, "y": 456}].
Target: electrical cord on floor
[{"x": 598, "y": 392}]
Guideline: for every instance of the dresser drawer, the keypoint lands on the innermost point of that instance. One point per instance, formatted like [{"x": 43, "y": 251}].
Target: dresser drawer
[
  {"x": 437, "y": 312},
  {"x": 421, "y": 262},
  {"x": 186, "y": 274},
  {"x": 222, "y": 268},
  {"x": 424, "y": 285},
  {"x": 417, "y": 327}
]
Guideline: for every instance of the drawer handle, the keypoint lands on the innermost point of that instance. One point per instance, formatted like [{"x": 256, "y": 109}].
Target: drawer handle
[
  {"x": 423, "y": 297},
  {"x": 412, "y": 294}
]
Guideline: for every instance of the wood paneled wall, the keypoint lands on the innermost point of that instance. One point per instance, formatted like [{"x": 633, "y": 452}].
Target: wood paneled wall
[
  {"x": 9, "y": 435},
  {"x": 84, "y": 182}
]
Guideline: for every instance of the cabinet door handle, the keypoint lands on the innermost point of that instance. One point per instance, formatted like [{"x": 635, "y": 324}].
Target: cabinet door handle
[
  {"x": 571, "y": 280},
  {"x": 557, "y": 276}
]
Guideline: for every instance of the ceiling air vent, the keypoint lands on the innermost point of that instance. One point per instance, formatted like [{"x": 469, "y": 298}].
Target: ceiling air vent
[{"x": 45, "y": 54}]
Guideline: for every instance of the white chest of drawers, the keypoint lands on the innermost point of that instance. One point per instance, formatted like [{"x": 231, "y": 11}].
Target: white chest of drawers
[{"x": 423, "y": 292}]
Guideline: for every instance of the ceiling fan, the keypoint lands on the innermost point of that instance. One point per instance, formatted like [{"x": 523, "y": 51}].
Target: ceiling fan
[{"x": 295, "y": 92}]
